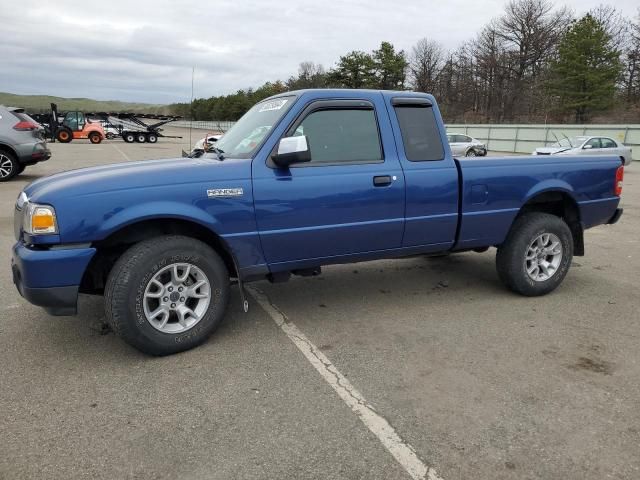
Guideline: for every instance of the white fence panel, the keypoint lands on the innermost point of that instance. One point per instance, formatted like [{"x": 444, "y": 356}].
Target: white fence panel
[{"x": 526, "y": 138}]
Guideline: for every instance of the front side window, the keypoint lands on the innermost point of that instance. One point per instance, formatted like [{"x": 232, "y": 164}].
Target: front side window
[
  {"x": 244, "y": 138},
  {"x": 594, "y": 142},
  {"x": 71, "y": 120},
  {"x": 420, "y": 133},
  {"x": 342, "y": 136}
]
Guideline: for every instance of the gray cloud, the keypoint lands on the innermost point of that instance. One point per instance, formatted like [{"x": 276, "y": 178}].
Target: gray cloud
[{"x": 144, "y": 50}]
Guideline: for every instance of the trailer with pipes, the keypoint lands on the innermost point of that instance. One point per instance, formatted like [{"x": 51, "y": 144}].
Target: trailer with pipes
[{"x": 132, "y": 129}]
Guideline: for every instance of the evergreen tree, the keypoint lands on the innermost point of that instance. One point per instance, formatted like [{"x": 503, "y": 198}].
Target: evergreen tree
[
  {"x": 389, "y": 67},
  {"x": 354, "y": 70},
  {"x": 583, "y": 77}
]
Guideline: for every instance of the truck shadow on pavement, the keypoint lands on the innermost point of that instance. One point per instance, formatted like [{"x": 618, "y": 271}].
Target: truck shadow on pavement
[{"x": 385, "y": 285}]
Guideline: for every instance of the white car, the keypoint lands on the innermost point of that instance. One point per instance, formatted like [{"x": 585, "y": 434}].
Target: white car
[
  {"x": 210, "y": 139},
  {"x": 587, "y": 145},
  {"x": 110, "y": 130},
  {"x": 466, "y": 146}
]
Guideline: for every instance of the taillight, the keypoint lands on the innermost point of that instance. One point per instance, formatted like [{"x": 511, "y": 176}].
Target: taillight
[
  {"x": 25, "y": 125},
  {"x": 617, "y": 188}
]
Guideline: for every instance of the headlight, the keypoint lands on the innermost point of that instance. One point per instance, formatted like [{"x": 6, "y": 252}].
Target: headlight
[{"x": 40, "y": 219}]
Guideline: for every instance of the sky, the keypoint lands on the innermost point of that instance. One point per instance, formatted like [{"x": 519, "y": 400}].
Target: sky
[{"x": 144, "y": 50}]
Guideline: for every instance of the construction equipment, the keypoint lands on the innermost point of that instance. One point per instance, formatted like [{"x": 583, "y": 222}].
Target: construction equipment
[{"x": 74, "y": 125}]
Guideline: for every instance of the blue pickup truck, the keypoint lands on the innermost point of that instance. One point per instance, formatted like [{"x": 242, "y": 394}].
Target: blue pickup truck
[{"x": 304, "y": 179}]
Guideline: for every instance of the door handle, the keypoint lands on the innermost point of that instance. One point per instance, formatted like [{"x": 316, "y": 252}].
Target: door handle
[{"x": 382, "y": 180}]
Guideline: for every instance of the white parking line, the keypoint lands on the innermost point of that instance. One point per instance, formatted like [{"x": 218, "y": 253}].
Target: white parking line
[
  {"x": 401, "y": 450},
  {"x": 124, "y": 155}
]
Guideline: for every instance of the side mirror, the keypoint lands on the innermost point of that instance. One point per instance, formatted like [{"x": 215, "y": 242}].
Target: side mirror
[
  {"x": 587, "y": 147},
  {"x": 292, "y": 150}
]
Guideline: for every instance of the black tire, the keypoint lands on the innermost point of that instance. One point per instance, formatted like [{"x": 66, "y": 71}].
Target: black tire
[
  {"x": 110, "y": 136},
  {"x": 9, "y": 166},
  {"x": 471, "y": 153},
  {"x": 152, "y": 138},
  {"x": 511, "y": 257},
  {"x": 129, "y": 137},
  {"x": 20, "y": 169},
  {"x": 95, "y": 137},
  {"x": 141, "y": 138},
  {"x": 64, "y": 135},
  {"x": 125, "y": 289}
]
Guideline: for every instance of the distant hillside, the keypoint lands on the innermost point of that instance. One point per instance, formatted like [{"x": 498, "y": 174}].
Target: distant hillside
[{"x": 40, "y": 104}]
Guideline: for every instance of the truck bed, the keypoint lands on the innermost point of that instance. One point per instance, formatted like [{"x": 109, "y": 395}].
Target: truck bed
[{"x": 494, "y": 189}]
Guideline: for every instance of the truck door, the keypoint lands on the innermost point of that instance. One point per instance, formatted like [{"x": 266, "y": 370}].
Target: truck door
[
  {"x": 348, "y": 199},
  {"x": 431, "y": 175}
]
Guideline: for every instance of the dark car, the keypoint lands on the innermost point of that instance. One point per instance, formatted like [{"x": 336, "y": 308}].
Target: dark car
[{"x": 22, "y": 142}]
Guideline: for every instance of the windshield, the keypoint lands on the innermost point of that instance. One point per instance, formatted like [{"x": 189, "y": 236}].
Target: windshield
[
  {"x": 242, "y": 140},
  {"x": 569, "y": 142}
]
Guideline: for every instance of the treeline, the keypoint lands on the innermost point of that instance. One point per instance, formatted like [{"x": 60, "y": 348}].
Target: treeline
[{"x": 532, "y": 64}]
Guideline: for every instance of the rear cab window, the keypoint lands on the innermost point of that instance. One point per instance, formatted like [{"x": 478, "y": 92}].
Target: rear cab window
[{"x": 419, "y": 129}]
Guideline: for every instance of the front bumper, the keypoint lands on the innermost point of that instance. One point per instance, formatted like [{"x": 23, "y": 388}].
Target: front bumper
[{"x": 50, "y": 278}]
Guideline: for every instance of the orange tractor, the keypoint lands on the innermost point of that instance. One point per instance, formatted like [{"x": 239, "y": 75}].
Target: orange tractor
[{"x": 74, "y": 126}]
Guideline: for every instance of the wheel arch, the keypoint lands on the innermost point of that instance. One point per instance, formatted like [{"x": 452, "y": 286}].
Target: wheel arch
[
  {"x": 6, "y": 148},
  {"x": 558, "y": 201},
  {"x": 111, "y": 247}
]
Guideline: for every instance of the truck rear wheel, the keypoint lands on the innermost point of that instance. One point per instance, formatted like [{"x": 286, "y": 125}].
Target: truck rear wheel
[
  {"x": 537, "y": 254},
  {"x": 129, "y": 137},
  {"x": 141, "y": 138},
  {"x": 167, "y": 294},
  {"x": 95, "y": 137},
  {"x": 152, "y": 138}
]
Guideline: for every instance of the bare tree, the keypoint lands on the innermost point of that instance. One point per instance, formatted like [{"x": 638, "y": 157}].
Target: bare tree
[
  {"x": 616, "y": 25},
  {"x": 531, "y": 30},
  {"x": 631, "y": 78},
  {"x": 310, "y": 75},
  {"x": 425, "y": 62}
]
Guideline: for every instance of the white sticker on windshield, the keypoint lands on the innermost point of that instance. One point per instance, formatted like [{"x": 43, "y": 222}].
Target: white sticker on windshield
[{"x": 273, "y": 105}]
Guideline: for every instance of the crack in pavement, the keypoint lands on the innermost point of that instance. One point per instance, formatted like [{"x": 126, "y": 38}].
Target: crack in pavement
[{"x": 400, "y": 449}]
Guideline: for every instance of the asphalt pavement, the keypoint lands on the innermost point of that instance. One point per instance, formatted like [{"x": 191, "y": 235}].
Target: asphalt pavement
[{"x": 474, "y": 381}]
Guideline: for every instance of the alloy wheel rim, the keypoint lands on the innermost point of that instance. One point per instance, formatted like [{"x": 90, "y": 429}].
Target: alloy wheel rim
[
  {"x": 543, "y": 257},
  {"x": 6, "y": 166},
  {"x": 177, "y": 298}
]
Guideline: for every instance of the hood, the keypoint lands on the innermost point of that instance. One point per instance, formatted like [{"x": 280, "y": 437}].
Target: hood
[
  {"x": 551, "y": 150},
  {"x": 135, "y": 175}
]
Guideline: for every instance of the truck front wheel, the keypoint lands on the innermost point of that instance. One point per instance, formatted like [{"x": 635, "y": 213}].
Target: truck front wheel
[
  {"x": 167, "y": 294},
  {"x": 537, "y": 254}
]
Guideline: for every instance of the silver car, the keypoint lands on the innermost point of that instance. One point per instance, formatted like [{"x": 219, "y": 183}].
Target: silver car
[
  {"x": 587, "y": 145},
  {"x": 21, "y": 142},
  {"x": 466, "y": 146}
]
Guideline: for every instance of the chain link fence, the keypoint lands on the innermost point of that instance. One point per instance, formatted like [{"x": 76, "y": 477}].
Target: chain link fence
[{"x": 211, "y": 125}]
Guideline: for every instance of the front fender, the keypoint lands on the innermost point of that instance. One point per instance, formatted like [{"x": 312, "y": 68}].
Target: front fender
[
  {"x": 242, "y": 242},
  {"x": 115, "y": 221}
]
